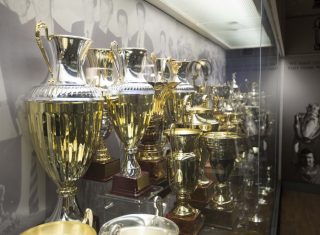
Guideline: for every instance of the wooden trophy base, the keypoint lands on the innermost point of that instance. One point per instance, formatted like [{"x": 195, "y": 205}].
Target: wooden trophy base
[
  {"x": 225, "y": 219},
  {"x": 188, "y": 225},
  {"x": 99, "y": 171},
  {"x": 202, "y": 195},
  {"x": 157, "y": 170},
  {"x": 130, "y": 187}
]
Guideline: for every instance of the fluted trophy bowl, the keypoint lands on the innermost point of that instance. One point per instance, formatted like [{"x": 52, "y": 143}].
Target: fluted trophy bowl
[
  {"x": 222, "y": 149},
  {"x": 183, "y": 171}
]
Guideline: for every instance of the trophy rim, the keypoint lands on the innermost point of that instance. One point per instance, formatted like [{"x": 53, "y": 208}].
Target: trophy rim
[
  {"x": 221, "y": 135},
  {"x": 71, "y": 36},
  {"x": 182, "y": 132},
  {"x": 133, "y": 48},
  {"x": 56, "y": 225},
  {"x": 199, "y": 109},
  {"x": 99, "y": 49}
]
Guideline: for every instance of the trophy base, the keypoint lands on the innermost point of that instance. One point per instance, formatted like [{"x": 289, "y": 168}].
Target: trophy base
[
  {"x": 188, "y": 225},
  {"x": 156, "y": 169},
  {"x": 99, "y": 171},
  {"x": 202, "y": 195},
  {"x": 130, "y": 187},
  {"x": 224, "y": 219}
]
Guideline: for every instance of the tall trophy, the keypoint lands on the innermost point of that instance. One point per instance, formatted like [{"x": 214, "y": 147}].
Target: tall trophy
[
  {"x": 101, "y": 61},
  {"x": 182, "y": 94},
  {"x": 150, "y": 154},
  {"x": 64, "y": 117},
  {"x": 198, "y": 118},
  {"x": 222, "y": 148},
  {"x": 183, "y": 172},
  {"x": 130, "y": 100}
]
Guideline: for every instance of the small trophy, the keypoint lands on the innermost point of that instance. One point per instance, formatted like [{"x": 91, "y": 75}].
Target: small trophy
[
  {"x": 64, "y": 117},
  {"x": 222, "y": 148},
  {"x": 103, "y": 167},
  {"x": 183, "y": 173},
  {"x": 197, "y": 120}
]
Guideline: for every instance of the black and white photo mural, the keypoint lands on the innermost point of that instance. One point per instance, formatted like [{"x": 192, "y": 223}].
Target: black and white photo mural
[
  {"x": 301, "y": 120},
  {"x": 27, "y": 196}
]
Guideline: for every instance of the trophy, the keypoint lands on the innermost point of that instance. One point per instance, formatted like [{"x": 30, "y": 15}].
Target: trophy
[
  {"x": 222, "y": 148},
  {"x": 130, "y": 101},
  {"x": 182, "y": 94},
  {"x": 183, "y": 172},
  {"x": 64, "y": 116},
  {"x": 103, "y": 167},
  {"x": 201, "y": 69},
  {"x": 197, "y": 119},
  {"x": 150, "y": 156}
]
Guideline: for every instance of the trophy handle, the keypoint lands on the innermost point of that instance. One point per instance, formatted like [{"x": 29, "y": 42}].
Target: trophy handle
[
  {"x": 119, "y": 59},
  {"x": 115, "y": 229},
  {"x": 88, "y": 217},
  {"x": 158, "y": 206},
  {"x": 194, "y": 68},
  {"x": 40, "y": 25}
]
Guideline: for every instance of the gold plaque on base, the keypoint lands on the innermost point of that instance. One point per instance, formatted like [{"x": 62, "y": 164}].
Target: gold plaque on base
[
  {"x": 188, "y": 225},
  {"x": 157, "y": 170},
  {"x": 225, "y": 219},
  {"x": 103, "y": 171},
  {"x": 202, "y": 195},
  {"x": 130, "y": 187}
]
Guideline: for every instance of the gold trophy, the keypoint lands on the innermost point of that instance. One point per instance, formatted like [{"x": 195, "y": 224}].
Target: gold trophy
[
  {"x": 103, "y": 167},
  {"x": 198, "y": 119},
  {"x": 150, "y": 154},
  {"x": 182, "y": 94},
  {"x": 64, "y": 117},
  {"x": 130, "y": 101},
  {"x": 183, "y": 172},
  {"x": 222, "y": 148}
]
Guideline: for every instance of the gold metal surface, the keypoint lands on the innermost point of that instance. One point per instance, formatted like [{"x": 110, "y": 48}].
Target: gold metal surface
[
  {"x": 61, "y": 228},
  {"x": 130, "y": 115},
  {"x": 150, "y": 147},
  {"x": 130, "y": 104},
  {"x": 183, "y": 166},
  {"x": 222, "y": 148},
  {"x": 64, "y": 116},
  {"x": 182, "y": 94}
]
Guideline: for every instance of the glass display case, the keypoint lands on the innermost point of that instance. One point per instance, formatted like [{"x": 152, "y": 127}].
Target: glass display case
[{"x": 237, "y": 191}]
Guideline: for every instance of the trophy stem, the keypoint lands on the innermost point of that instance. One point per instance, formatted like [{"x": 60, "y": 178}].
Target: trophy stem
[
  {"x": 183, "y": 207},
  {"x": 67, "y": 208},
  {"x": 221, "y": 198},
  {"x": 130, "y": 166}
]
